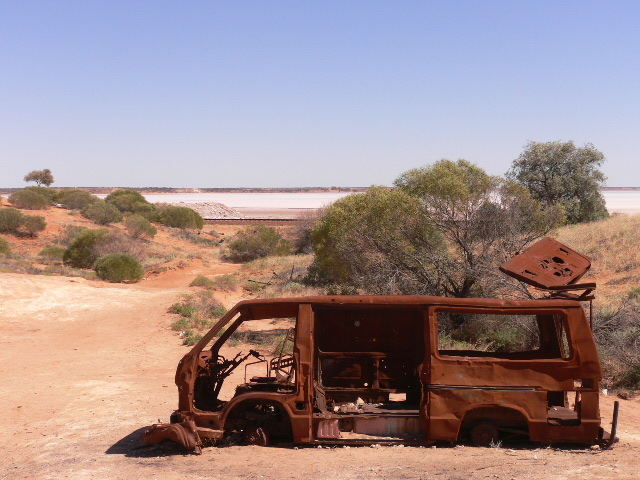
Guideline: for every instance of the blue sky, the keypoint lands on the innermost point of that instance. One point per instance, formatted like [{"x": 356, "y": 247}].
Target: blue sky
[{"x": 281, "y": 93}]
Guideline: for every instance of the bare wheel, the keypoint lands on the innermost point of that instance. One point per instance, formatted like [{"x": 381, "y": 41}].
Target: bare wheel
[
  {"x": 256, "y": 436},
  {"x": 483, "y": 434}
]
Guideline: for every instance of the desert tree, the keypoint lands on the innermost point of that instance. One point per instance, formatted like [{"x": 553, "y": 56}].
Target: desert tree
[
  {"x": 444, "y": 230},
  {"x": 559, "y": 173},
  {"x": 41, "y": 177}
]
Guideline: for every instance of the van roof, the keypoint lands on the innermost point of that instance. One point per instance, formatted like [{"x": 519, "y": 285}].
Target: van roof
[{"x": 279, "y": 307}]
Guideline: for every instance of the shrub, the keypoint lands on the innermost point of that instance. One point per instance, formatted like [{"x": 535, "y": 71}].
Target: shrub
[
  {"x": 179, "y": 217},
  {"x": 226, "y": 282},
  {"x": 194, "y": 237},
  {"x": 197, "y": 312},
  {"x": 75, "y": 199},
  {"x": 201, "y": 281},
  {"x": 51, "y": 194},
  {"x": 116, "y": 242},
  {"x": 69, "y": 233},
  {"x": 10, "y": 219},
  {"x": 5, "y": 248},
  {"x": 52, "y": 252},
  {"x": 126, "y": 200},
  {"x": 137, "y": 226},
  {"x": 80, "y": 253},
  {"x": 184, "y": 309},
  {"x": 119, "y": 267},
  {"x": 29, "y": 199},
  {"x": 191, "y": 338},
  {"x": 102, "y": 213},
  {"x": 255, "y": 242},
  {"x": 33, "y": 224}
]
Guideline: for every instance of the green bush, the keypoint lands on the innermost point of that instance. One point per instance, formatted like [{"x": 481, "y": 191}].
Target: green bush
[
  {"x": 119, "y": 267},
  {"x": 51, "y": 194},
  {"x": 255, "y": 242},
  {"x": 184, "y": 309},
  {"x": 33, "y": 224},
  {"x": 29, "y": 199},
  {"x": 10, "y": 219},
  {"x": 80, "y": 253},
  {"x": 126, "y": 200},
  {"x": 5, "y": 248},
  {"x": 137, "y": 226},
  {"x": 52, "y": 252},
  {"x": 102, "y": 213},
  {"x": 75, "y": 199},
  {"x": 179, "y": 217}
]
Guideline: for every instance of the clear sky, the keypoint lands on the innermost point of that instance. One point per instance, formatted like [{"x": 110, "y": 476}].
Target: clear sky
[{"x": 296, "y": 93}]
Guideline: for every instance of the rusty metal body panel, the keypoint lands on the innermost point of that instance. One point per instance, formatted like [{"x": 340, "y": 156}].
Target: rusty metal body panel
[{"x": 353, "y": 355}]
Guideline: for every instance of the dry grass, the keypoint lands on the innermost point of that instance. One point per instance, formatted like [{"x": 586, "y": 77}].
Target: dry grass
[
  {"x": 271, "y": 277},
  {"x": 613, "y": 246}
]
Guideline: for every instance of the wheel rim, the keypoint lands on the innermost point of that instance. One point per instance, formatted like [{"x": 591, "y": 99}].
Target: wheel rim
[
  {"x": 257, "y": 436},
  {"x": 484, "y": 434}
]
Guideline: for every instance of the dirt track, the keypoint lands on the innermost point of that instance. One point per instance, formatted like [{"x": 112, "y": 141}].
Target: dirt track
[{"x": 86, "y": 365}]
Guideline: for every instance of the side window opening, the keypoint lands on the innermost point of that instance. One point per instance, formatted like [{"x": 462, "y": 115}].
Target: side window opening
[
  {"x": 247, "y": 356},
  {"x": 502, "y": 335}
]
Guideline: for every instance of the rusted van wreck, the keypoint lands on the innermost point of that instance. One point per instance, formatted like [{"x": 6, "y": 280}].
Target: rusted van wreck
[{"x": 385, "y": 368}]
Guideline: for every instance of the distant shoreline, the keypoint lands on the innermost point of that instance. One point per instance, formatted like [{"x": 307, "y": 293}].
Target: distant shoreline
[{"x": 170, "y": 190}]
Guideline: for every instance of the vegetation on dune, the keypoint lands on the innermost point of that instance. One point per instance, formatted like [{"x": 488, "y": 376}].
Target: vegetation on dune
[
  {"x": 75, "y": 199},
  {"x": 179, "y": 217},
  {"x": 127, "y": 200},
  {"x": 33, "y": 224},
  {"x": 81, "y": 252},
  {"x": 102, "y": 213},
  {"x": 118, "y": 268},
  {"x": 52, "y": 252},
  {"x": 226, "y": 282},
  {"x": 29, "y": 199},
  {"x": 10, "y": 220},
  {"x": 14, "y": 221},
  {"x": 197, "y": 314},
  {"x": 5, "y": 248},
  {"x": 256, "y": 241},
  {"x": 139, "y": 227}
]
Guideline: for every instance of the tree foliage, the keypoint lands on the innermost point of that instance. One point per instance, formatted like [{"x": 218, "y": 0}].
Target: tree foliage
[
  {"x": 444, "y": 230},
  {"x": 559, "y": 173},
  {"x": 41, "y": 177}
]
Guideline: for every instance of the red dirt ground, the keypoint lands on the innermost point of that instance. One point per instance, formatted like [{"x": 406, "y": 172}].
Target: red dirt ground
[{"x": 86, "y": 365}]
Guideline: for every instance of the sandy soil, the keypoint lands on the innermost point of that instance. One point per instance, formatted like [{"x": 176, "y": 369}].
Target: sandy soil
[{"x": 85, "y": 366}]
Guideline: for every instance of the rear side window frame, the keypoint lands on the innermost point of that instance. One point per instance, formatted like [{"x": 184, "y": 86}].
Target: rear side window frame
[{"x": 432, "y": 317}]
